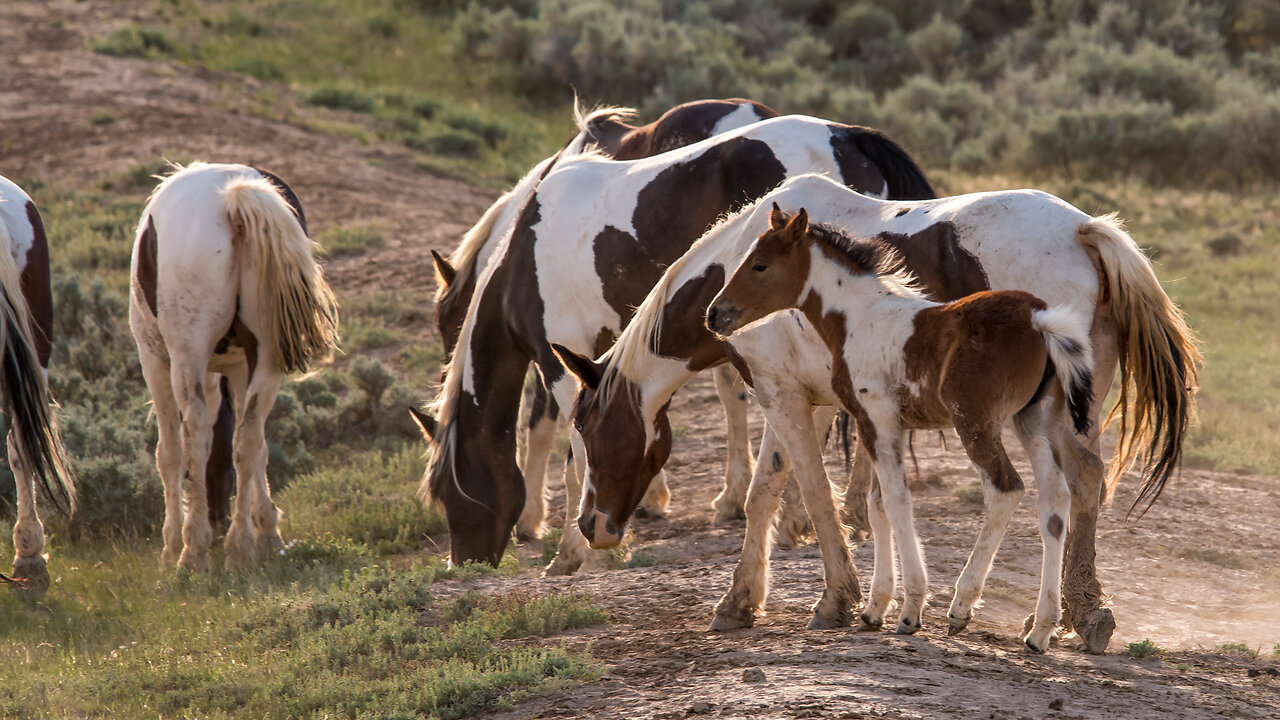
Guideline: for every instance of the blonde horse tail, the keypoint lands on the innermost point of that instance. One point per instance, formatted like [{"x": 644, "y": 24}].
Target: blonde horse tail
[
  {"x": 1158, "y": 356},
  {"x": 26, "y": 395},
  {"x": 301, "y": 311}
]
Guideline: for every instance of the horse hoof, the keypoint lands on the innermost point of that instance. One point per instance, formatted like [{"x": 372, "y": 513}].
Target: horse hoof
[
  {"x": 957, "y": 625},
  {"x": 31, "y": 577},
  {"x": 731, "y": 621},
  {"x": 821, "y": 622},
  {"x": 869, "y": 623},
  {"x": 728, "y": 513},
  {"x": 1096, "y": 630},
  {"x": 525, "y": 536},
  {"x": 1031, "y": 646},
  {"x": 562, "y": 566},
  {"x": 906, "y": 627}
]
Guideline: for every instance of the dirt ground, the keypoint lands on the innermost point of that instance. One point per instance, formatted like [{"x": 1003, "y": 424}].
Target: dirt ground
[{"x": 1202, "y": 569}]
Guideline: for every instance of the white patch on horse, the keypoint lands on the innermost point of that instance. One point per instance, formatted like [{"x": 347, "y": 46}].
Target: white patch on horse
[
  {"x": 13, "y": 214},
  {"x": 743, "y": 115}
]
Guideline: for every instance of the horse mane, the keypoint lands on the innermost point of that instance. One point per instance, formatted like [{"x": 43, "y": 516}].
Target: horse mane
[
  {"x": 872, "y": 256},
  {"x": 644, "y": 333},
  {"x": 584, "y": 119}
]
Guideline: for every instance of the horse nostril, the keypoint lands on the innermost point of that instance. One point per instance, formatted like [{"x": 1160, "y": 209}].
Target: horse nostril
[
  {"x": 711, "y": 318},
  {"x": 586, "y": 523}
]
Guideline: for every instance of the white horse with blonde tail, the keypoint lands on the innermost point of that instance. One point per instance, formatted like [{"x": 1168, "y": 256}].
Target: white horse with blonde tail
[
  {"x": 26, "y": 330},
  {"x": 224, "y": 281}
]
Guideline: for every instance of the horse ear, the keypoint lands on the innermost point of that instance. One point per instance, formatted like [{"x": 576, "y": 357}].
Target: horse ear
[
  {"x": 587, "y": 370},
  {"x": 444, "y": 271},
  {"x": 799, "y": 224},
  {"x": 425, "y": 421},
  {"x": 777, "y": 220}
]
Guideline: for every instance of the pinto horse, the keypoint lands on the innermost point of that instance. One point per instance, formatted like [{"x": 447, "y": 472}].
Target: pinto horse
[
  {"x": 36, "y": 456},
  {"x": 901, "y": 362},
  {"x": 603, "y": 131},
  {"x": 1013, "y": 240},
  {"x": 589, "y": 244},
  {"x": 223, "y": 282}
]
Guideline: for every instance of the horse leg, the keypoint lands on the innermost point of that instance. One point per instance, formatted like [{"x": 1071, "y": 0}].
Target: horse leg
[
  {"x": 897, "y": 504},
  {"x": 883, "y": 575},
  {"x": 854, "y": 513},
  {"x": 541, "y": 438},
  {"x": 220, "y": 473},
  {"x": 1054, "y": 503},
  {"x": 742, "y": 602},
  {"x": 657, "y": 498},
  {"x": 1080, "y": 586},
  {"x": 189, "y": 382},
  {"x": 1002, "y": 490},
  {"x": 251, "y": 444},
  {"x": 739, "y": 465},
  {"x": 28, "y": 531},
  {"x": 793, "y": 525},
  {"x": 791, "y": 418},
  {"x": 574, "y": 553},
  {"x": 155, "y": 370}
]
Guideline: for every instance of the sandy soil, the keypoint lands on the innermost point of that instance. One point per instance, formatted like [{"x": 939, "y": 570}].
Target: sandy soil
[{"x": 1200, "y": 570}]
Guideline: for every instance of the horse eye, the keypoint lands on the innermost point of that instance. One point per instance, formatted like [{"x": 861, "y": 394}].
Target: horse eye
[
  {"x": 760, "y": 267},
  {"x": 577, "y": 425}
]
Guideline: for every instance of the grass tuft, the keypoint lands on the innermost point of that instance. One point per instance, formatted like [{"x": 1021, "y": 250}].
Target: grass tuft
[{"x": 1143, "y": 649}]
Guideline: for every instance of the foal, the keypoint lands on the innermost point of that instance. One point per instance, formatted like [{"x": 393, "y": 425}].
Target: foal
[
  {"x": 901, "y": 362},
  {"x": 223, "y": 281}
]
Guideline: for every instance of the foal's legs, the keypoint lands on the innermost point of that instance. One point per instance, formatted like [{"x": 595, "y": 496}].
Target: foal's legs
[
  {"x": 854, "y": 513},
  {"x": 1002, "y": 490},
  {"x": 793, "y": 523},
  {"x": 28, "y": 531},
  {"x": 739, "y": 464},
  {"x": 742, "y": 602},
  {"x": 897, "y": 503},
  {"x": 883, "y": 576},
  {"x": 543, "y": 424}
]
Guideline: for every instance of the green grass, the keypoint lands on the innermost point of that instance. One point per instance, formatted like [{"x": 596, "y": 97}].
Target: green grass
[
  {"x": 1143, "y": 649},
  {"x": 1239, "y": 648},
  {"x": 349, "y": 240}
]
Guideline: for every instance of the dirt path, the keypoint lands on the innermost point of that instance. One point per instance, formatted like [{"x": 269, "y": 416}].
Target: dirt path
[{"x": 1202, "y": 569}]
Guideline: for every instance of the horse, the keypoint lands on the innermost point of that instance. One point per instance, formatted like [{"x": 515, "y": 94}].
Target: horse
[
  {"x": 605, "y": 131},
  {"x": 36, "y": 455},
  {"x": 589, "y": 244},
  {"x": 902, "y": 362},
  {"x": 223, "y": 281},
  {"x": 1011, "y": 240}
]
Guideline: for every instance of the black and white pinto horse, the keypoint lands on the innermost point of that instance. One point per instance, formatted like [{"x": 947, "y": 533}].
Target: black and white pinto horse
[
  {"x": 595, "y": 236},
  {"x": 606, "y": 132},
  {"x": 224, "y": 282},
  {"x": 1014, "y": 240},
  {"x": 36, "y": 456}
]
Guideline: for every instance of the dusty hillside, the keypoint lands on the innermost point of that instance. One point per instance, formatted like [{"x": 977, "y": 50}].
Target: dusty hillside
[{"x": 1202, "y": 569}]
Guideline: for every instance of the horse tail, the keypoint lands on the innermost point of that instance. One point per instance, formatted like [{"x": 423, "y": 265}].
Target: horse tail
[
  {"x": 1158, "y": 356},
  {"x": 302, "y": 314},
  {"x": 26, "y": 395},
  {"x": 905, "y": 178},
  {"x": 1066, "y": 339}
]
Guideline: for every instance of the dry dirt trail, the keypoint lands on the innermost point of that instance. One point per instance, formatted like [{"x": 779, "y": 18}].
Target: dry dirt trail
[{"x": 1200, "y": 570}]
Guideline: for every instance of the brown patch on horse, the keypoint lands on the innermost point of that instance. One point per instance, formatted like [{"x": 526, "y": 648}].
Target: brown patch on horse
[
  {"x": 220, "y": 472},
  {"x": 680, "y": 126},
  {"x": 739, "y": 362},
  {"x": 688, "y": 337},
  {"x": 1055, "y": 526},
  {"x": 289, "y": 196},
  {"x": 36, "y": 288},
  {"x": 944, "y": 269},
  {"x": 831, "y": 328},
  {"x": 148, "y": 264}
]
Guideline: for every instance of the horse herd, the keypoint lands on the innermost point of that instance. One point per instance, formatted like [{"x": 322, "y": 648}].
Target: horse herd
[{"x": 805, "y": 258}]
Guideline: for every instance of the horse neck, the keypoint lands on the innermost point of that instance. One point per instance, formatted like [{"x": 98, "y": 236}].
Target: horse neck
[
  {"x": 652, "y": 379},
  {"x": 862, "y": 299}
]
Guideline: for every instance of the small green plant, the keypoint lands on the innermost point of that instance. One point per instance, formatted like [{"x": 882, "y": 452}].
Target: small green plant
[
  {"x": 1183, "y": 667},
  {"x": 1142, "y": 649},
  {"x": 550, "y": 544},
  {"x": 135, "y": 42},
  {"x": 1239, "y": 648},
  {"x": 350, "y": 240},
  {"x": 100, "y": 119},
  {"x": 337, "y": 98},
  {"x": 972, "y": 495}
]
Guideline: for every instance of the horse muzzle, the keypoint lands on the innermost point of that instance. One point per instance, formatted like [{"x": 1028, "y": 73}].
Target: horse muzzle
[
  {"x": 721, "y": 317},
  {"x": 600, "y": 532}
]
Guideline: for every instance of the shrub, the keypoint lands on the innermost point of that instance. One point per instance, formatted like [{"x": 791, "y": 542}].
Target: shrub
[
  {"x": 341, "y": 99},
  {"x": 135, "y": 42},
  {"x": 1142, "y": 649}
]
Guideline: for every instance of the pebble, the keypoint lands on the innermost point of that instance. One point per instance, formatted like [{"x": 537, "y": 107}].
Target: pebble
[
  {"x": 1057, "y": 704},
  {"x": 753, "y": 675},
  {"x": 699, "y": 708}
]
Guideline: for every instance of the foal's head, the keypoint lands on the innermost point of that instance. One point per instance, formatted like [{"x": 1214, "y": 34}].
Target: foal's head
[
  {"x": 770, "y": 278},
  {"x": 623, "y": 453}
]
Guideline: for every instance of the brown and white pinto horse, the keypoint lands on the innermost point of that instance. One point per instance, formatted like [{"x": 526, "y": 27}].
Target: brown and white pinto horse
[
  {"x": 1014, "y": 240},
  {"x": 224, "y": 282},
  {"x": 900, "y": 362},
  {"x": 603, "y": 131},
  {"x": 36, "y": 456},
  {"x": 589, "y": 244}
]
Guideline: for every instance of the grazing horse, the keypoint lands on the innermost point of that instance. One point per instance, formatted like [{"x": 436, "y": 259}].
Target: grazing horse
[
  {"x": 36, "y": 455},
  {"x": 1014, "y": 240},
  {"x": 900, "y": 362},
  {"x": 589, "y": 244},
  {"x": 223, "y": 282},
  {"x": 604, "y": 131}
]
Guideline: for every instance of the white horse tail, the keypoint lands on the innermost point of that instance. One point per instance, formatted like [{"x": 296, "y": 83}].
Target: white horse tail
[
  {"x": 1158, "y": 359},
  {"x": 1066, "y": 339},
  {"x": 26, "y": 396},
  {"x": 302, "y": 313}
]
